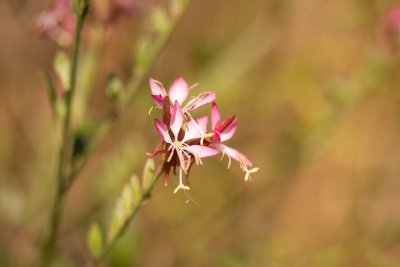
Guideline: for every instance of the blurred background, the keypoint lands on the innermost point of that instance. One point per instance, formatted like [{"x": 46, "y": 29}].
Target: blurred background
[{"x": 315, "y": 87}]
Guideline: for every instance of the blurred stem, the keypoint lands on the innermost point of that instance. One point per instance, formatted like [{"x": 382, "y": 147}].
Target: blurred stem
[
  {"x": 132, "y": 87},
  {"x": 64, "y": 155},
  {"x": 146, "y": 195}
]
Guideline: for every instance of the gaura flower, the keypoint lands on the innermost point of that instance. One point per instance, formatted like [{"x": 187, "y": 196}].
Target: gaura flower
[
  {"x": 57, "y": 22},
  {"x": 180, "y": 143},
  {"x": 184, "y": 140},
  {"x": 179, "y": 91}
]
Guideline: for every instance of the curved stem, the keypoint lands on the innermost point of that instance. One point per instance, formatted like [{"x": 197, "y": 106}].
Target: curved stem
[
  {"x": 146, "y": 194},
  {"x": 64, "y": 154}
]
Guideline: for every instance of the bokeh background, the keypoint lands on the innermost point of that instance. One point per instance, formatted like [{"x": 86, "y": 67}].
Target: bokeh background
[{"x": 315, "y": 86}]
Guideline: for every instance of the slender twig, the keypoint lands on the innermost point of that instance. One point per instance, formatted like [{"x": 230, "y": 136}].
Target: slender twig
[
  {"x": 64, "y": 154},
  {"x": 131, "y": 89},
  {"x": 145, "y": 195}
]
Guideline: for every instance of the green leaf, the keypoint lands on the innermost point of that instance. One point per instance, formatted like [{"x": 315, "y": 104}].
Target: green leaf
[
  {"x": 117, "y": 221},
  {"x": 62, "y": 67},
  {"x": 148, "y": 174},
  {"x": 51, "y": 90},
  {"x": 127, "y": 200},
  {"x": 95, "y": 240},
  {"x": 160, "y": 20},
  {"x": 114, "y": 88},
  {"x": 142, "y": 54},
  {"x": 136, "y": 190}
]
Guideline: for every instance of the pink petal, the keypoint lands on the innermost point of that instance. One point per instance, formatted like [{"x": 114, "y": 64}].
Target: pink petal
[
  {"x": 215, "y": 115},
  {"x": 178, "y": 90},
  {"x": 229, "y": 131},
  {"x": 176, "y": 119},
  {"x": 162, "y": 130},
  {"x": 158, "y": 100},
  {"x": 200, "y": 101},
  {"x": 157, "y": 92},
  {"x": 233, "y": 153},
  {"x": 196, "y": 128},
  {"x": 156, "y": 88},
  {"x": 202, "y": 151}
]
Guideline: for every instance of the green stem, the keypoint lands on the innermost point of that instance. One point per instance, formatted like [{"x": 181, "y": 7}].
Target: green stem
[
  {"x": 145, "y": 195},
  {"x": 64, "y": 154},
  {"x": 132, "y": 87}
]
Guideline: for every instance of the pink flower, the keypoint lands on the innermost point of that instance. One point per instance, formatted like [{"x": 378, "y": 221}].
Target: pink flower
[
  {"x": 179, "y": 91},
  {"x": 184, "y": 140},
  {"x": 222, "y": 131},
  {"x": 57, "y": 22},
  {"x": 179, "y": 142}
]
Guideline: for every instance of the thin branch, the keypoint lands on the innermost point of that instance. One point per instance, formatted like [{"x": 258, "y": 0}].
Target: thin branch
[{"x": 64, "y": 154}]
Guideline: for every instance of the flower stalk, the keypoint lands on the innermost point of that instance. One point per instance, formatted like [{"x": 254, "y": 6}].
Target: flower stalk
[
  {"x": 65, "y": 149},
  {"x": 110, "y": 244}
]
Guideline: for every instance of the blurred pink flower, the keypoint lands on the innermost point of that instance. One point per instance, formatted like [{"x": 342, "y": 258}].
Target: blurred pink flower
[
  {"x": 392, "y": 26},
  {"x": 57, "y": 22}
]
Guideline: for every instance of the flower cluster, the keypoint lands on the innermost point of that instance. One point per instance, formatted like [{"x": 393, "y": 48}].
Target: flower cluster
[{"x": 186, "y": 140}]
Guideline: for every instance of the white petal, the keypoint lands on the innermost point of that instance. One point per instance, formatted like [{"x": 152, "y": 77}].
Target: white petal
[
  {"x": 202, "y": 151},
  {"x": 200, "y": 101},
  {"x": 156, "y": 88},
  {"x": 176, "y": 119},
  {"x": 196, "y": 128},
  {"x": 178, "y": 91}
]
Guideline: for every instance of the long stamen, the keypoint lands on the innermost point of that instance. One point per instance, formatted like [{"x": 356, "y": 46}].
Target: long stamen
[{"x": 181, "y": 185}]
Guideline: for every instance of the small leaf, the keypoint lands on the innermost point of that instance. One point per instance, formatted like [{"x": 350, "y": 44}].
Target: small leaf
[
  {"x": 61, "y": 66},
  {"x": 136, "y": 190},
  {"x": 127, "y": 200},
  {"x": 51, "y": 90},
  {"x": 160, "y": 20},
  {"x": 95, "y": 240},
  {"x": 148, "y": 174},
  {"x": 114, "y": 87},
  {"x": 142, "y": 54},
  {"x": 115, "y": 226}
]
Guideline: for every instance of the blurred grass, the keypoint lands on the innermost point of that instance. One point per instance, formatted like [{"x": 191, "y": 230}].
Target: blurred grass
[{"x": 318, "y": 106}]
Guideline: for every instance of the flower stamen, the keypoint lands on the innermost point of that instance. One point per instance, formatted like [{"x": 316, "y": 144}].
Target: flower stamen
[{"x": 181, "y": 185}]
